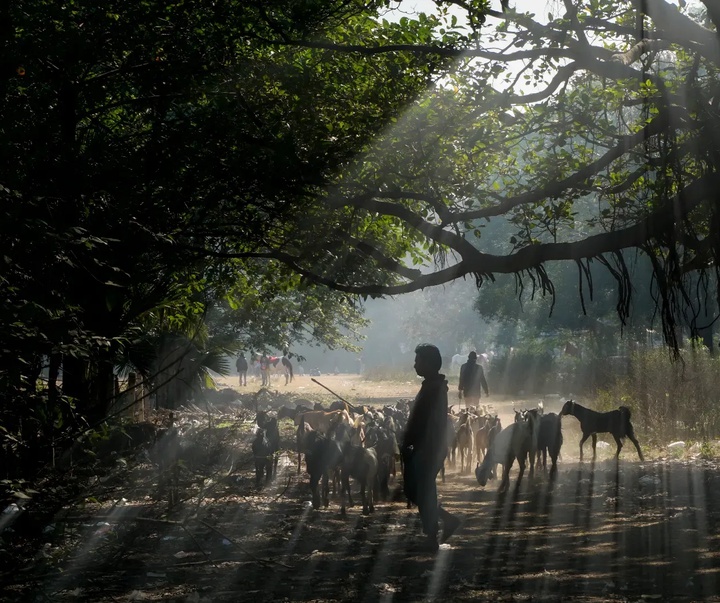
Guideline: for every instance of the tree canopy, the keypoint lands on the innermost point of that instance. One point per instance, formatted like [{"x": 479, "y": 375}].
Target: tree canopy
[
  {"x": 591, "y": 132},
  {"x": 282, "y": 159}
]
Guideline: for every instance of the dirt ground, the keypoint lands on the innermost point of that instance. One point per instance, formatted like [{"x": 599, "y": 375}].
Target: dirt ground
[{"x": 602, "y": 531}]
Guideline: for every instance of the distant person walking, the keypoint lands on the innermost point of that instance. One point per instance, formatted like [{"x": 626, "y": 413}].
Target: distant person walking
[
  {"x": 288, "y": 368},
  {"x": 472, "y": 381},
  {"x": 242, "y": 368},
  {"x": 424, "y": 445},
  {"x": 265, "y": 370}
]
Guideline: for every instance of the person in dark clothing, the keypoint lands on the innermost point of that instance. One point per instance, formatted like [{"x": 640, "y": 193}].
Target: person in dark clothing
[
  {"x": 288, "y": 368},
  {"x": 472, "y": 381},
  {"x": 424, "y": 445},
  {"x": 265, "y": 370},
  {"x": 242, "y": 368}
]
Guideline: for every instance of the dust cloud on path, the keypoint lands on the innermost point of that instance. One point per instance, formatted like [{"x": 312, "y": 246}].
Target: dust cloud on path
[{"x": 356, "y": 389}]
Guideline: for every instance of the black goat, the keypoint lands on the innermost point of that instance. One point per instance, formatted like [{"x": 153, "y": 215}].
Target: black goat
[
  {"x": 291, "y": 413},
  {"x": 270, "y": 424},
  {"x": 361, "y": 464},
  {"x": 263, "y": 455},
  {"x": 452, "y": 444},
  {"x": 516, "y": 441},
  {"x": 464, "y": 440},
  {"x": 485, "y": 436},
  {"x": 550, "y": 440},
  {"x": 497, "y": 453},
  {"x": 322, "y": 455},
  {"x": 384, "y": 441},
  {"x": 616, "y": 422}
]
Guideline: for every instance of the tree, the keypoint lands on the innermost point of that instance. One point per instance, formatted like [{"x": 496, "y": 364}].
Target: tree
[
  {"x": 140, "y": 140},
  {"x": 615, "y": 102}
]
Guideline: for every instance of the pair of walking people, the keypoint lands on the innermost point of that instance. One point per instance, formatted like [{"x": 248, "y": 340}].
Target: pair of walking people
[{"x": 241, "y": 364}]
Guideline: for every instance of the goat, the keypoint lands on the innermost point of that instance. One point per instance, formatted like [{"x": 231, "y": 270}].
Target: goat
[
  {"x": 550, "y": 440},
  {"x": 485, "y": 435},
  {"x": 321, "y": 420},
  {"x": 361, "y": 464},
  {"x": 523, "y": 447},
  {"x": 452, "y": 444},
  {"x": 616, "y": 422},
  {"x": 317, "y": 420},
  {"x": 263, "y": 454},
  {"x": 270, "y": 425},
  {"x": 387, "y": 451},
  {"x": 301, "y": 436},
  {"x": 290, "y": 413},
  {"x": 497, "y": 453},
  {"x": 464, "y": 439},
  {"x": 323, "y": 455},
  {"x": 517, "y": 441}
]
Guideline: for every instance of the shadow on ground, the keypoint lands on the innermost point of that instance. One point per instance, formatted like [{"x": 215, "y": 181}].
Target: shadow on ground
[{"x": 597, "y": 532}]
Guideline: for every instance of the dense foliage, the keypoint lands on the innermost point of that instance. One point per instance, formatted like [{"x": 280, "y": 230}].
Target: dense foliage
[{"x": 153, "y": 153}]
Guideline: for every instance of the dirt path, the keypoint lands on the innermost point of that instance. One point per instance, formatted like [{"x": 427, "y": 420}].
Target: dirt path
[{"x": 597, "y": 532}]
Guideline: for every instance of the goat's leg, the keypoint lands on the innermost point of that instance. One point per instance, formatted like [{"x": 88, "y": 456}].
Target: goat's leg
[
  {"x": 363, "y": 496},
  {"x": 553, "y": 467},
  {"x": 619, "y": 443},
  {"x": 521, "y": 465},
  {"x": 630, "y": 433},
  {"x": 325, "y": 489},
  {"x": 594, "y": 441},
  {"x": 582, "y": 441},
  {"x": 637, "y": 446},
  {"x": 506, "y": 473},
  {"x": 344, "y": 485},
  {"x": 531, "y": 456},
  {"x": 314, "y": 479},
  {"x": 351, "y": 502},
  {"x": 372, "y": 493}
]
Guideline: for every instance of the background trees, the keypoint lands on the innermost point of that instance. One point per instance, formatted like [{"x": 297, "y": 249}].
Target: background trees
[
  {"x": 156, "y": 157},
  {"x": 601, "y": 107}
]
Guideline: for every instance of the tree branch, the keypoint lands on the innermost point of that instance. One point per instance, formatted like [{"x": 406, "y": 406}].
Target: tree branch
[
  {"x": 555, "y": 189},
  {"x": 653, "y": 227}
]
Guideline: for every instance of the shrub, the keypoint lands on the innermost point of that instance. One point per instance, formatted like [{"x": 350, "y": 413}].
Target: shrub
[{"x": 670, "y": 399}]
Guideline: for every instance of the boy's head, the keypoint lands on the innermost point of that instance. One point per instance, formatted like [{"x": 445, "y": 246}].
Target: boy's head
[{"x": 428, "y": 360}]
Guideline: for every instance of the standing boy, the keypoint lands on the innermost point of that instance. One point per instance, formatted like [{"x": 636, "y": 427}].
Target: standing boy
[{"x": 425, "y": 443}]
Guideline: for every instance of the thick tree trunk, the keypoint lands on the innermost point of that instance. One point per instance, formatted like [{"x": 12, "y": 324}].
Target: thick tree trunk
[{"x": 90, "y": 384}]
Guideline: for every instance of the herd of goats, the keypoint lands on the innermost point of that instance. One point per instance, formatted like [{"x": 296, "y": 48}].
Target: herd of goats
[{"x": 361, "y": 443}]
